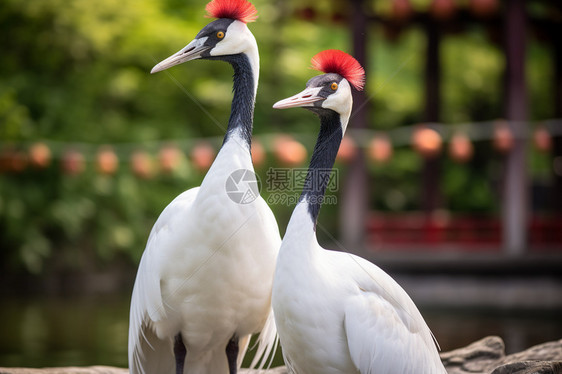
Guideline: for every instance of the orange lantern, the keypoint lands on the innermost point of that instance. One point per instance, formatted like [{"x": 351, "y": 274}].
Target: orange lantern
[
  {"x": 484, "y": 8},
  {"x": 503, "y": 137},
  {"x": 427, "y": 142},
  {"x": 401, "y": 10},
  {"x": 141, "y": 164},
  {"x": 460, "y": 148},
  {"x": 17, "y": 161},
  {"x": 380, "y": 149},
  {"x": 307, "y": 13},
  {"x": 203, "y": 155},
  {"x": 39, "y": 155},
  {"x": 107, "y": 161},
  {"x": 169, "y": 158},
  {"x": 442, "y": 9},
  {"x": 347, "y": 150},
  {"x": 542, "y": 139},
  {"x": 4, "y": 160},
  {"x": 258, "y": 153},
  {"x": 73, "y": 162},
  {"x": 289, "y": 151}
]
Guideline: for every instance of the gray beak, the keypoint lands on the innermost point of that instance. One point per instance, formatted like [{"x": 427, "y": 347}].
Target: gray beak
[
  {"x": 303, "y": 99},
  {"x": 192, "y": 51}
]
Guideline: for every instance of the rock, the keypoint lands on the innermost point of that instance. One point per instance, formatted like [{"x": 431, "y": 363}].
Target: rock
[
  {"x": 477, "y": 357},
  {"x": 66, "y": 370},
  {"x": 486, "y": 356},
  {"x": 530, "y": 367},
  {"x": 277, "y": 370}
]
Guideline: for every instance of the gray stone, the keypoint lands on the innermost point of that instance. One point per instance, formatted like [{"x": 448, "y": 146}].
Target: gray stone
[
  {"x": 486, "y": 356},
  {"x": 530, "y": 367}
]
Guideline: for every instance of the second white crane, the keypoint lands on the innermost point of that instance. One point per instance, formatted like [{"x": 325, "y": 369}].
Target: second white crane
[{"x": 337, "y": 313}]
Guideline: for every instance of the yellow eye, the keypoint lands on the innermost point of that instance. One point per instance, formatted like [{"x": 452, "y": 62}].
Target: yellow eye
[
  {"x": 220, "y": 34},
  {"x": 334, "y": 86}
]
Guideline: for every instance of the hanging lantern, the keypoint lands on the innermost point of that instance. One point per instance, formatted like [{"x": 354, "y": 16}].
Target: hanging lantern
[
  {"x": 17, "y": 160},
  {"x": 442, "y": 9},
  {"x": 169, "y": 158},
  {"x": 73, "y": 162},
  {"x": 380, "y": 149},
  {"x": 258, "y": 153},
  {"x": 542, "y": 139},
  {"x": 203, "y": 155},
  {"x": 306, "y": 13},
  {"x": 106, "y": 161},
  {"x": 141, "y": 164},
  {"x": 484, "y": 8},
  {"x": 402, "y": 10},
  {"x": 339, "y": 18},
  {"x": 39, "y": 155},
  {"x": 4, "y": 161},
  {"x": 347, "y": 150},
  {"x": 427, "y": 142},
  {"x": 503, "y": 139},
  {"x": 460, "y": 148},
  {"x": 288, "y": 151}
]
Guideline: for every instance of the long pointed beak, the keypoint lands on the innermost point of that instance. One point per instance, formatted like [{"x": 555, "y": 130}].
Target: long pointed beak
[
  {"x": 303, "y": 99},
  {"x": 192, "y": 51}
]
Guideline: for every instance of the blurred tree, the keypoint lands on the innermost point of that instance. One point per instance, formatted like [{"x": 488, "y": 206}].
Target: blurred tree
[{"x": 74, "y": 74}]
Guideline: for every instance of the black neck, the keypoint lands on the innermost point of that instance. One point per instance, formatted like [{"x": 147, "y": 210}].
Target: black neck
[
  {"x": 322, "y": 161},
  {"x": 242, "y": 109}
]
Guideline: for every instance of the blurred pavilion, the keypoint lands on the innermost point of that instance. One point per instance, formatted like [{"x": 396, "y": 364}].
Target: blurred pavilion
[{"x": 510, "y": 25}]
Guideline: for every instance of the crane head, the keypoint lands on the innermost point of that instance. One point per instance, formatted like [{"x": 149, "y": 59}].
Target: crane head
[
  {"x": 327, "y": 91},
  {"x": 332, "y": 90},
  {"x": 226, "y": 36}
]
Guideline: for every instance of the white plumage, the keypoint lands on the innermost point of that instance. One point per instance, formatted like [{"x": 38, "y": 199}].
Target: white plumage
[
  {"x": 337, "y": 313},
  {"x": 204, "y": 280},
  {"x": 206, "y": 272}
]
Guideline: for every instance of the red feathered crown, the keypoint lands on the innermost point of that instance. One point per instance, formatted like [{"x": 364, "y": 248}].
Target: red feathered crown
[
  {"x": 335, "y": 61},
  {"x": 241, "y": 10}
]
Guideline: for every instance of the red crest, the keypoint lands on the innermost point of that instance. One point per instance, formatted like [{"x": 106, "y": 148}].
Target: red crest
[
  {"x": 241, "y": 10},
  {"x": 336, "y": 61}
]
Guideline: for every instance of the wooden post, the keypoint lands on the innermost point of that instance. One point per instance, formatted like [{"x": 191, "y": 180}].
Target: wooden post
[
  {"x": 515, "y": 189},
  {"x": 431, "y": 191},
  {"x": 355, "y": 204},
  {"x": 557, "y": 140}
]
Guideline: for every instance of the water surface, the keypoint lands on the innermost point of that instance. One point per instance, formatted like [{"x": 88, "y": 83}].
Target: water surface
[{"x": 42, "y": 332}]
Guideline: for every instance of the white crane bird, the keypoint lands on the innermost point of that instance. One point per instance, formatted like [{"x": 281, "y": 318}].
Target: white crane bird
[
  {"x": 204, "y": 281},
  {"x": 336, "y": 312}
]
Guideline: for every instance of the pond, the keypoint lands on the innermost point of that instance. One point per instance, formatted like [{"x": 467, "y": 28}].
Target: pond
[{"x": 93, "y": 331}]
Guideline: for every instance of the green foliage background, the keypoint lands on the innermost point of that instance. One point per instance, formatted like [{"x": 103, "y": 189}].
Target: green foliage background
[{"x": 75, "y": 73}]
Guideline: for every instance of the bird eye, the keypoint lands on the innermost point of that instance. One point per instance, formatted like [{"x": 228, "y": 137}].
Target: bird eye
[
  {"x": 334, "y": 86},
  {"x": 220, "y": 34}
]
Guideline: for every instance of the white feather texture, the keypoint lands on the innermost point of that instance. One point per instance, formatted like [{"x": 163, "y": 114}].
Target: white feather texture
[
  {"x": 338, "y": 313},
  {"x": 206, "y": 272}
]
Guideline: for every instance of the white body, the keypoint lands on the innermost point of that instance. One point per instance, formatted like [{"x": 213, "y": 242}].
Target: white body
[
  {"x": 337, "y": 313},
  {"x": 206, "y": 272},
  {"x": 207, "y": 269}
]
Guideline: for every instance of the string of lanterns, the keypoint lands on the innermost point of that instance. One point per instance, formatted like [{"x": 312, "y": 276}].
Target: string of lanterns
[
  {"x": 401, "y": 11},
  {"x": 426, "y": 139},
  {"x": 396, "y": 15}
]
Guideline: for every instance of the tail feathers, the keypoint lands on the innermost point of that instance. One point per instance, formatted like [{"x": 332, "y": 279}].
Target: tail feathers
[
  {"x": 267, "y": 344},
  {"x": 152, "y": 355},
  {"x": 243, "y": 343}
]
